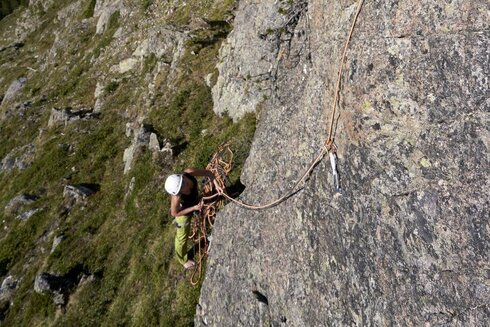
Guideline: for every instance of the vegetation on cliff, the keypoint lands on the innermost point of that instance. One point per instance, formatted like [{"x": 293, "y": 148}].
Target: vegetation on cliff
[{"x": 86, "y": 82}]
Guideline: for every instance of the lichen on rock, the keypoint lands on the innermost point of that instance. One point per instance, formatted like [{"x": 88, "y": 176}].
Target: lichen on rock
[{"x": 407, "y": 240}]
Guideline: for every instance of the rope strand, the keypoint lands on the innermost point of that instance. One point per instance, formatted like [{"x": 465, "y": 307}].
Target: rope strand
[{"x": 339, "y": 76}]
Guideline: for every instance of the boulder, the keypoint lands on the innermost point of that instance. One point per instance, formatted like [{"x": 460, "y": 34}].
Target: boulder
[
  {"x": 13, "y": 89},
  {"x": 143, "y": 136},
  {"x": 60, "y": 286},
  {"x": 127, "y": 65},
  {"x": 46, "y": 282},
  {"x": 53, "y": 284},
  {"x": 67, "y": 115},
  {"x": 19, "y": 158},
  {"x": 80, "y": 192},
  {"x": 154, "y": 145},
  {"x": 28, "y": 214},
  {"x": 99, "y": 90},
  {"x": 57, "y": 241},
  {"x": 9, "y": 284},
  {"x": 20, "y": 201},
  {"x": 128, "y": 158}
]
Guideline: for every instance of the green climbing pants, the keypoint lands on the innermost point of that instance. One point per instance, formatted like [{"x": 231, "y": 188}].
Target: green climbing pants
[{"x": 182, "y": 234}]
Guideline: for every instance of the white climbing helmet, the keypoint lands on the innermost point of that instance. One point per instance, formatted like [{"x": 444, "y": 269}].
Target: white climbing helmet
[{"x": 173, "y": 184}]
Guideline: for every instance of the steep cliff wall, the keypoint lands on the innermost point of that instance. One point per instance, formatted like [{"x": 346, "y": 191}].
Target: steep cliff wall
[{"x": 407, "y": 241}]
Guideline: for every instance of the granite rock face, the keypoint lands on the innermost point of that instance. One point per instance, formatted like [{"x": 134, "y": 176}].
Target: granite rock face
[
  {"x": 407, "y": 241},
  {"x": 247, "y": 59}
]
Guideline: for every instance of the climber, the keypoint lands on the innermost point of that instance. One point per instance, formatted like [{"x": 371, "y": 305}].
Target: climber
[{"x": 184, "y": 201}]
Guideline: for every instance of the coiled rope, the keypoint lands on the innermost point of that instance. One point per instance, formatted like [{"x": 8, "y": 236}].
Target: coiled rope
[{"x": 220, "y": 165}]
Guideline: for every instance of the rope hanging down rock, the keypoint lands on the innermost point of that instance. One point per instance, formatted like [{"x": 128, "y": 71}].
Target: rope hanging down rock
[{"x": 328, "y": 145}]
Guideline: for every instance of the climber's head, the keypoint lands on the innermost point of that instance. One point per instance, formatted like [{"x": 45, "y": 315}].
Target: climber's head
[{"x": 173, "y": 184}]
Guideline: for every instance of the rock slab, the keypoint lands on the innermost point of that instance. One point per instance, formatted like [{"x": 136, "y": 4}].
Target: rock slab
[{"x": 407, "y": 241}]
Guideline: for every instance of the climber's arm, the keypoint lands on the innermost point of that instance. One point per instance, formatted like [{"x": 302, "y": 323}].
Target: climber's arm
[
  {"x": 199, "y": 172},
  {"x": 175, "y": 210},
  {"x": 205, "y": 173}
]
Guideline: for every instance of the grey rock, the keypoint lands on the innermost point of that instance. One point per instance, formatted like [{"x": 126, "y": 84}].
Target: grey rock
[
  {"x": 167, "y": 148},
  {"x": 67, "y": 115},
  {"x": 9, "y": 284},
  {"x": 208, "y": 80},
  {"x": 129, "y": 129},
  {"x": 144, "y": 136},
  {"x": 20, "y": 201},
  {"x": 13, "y": 89},
  {"x": 248, "y": 61},
  {"x": 45, "y": 282},
  {"x": 127, "y": 65},
  {"x": 128, "y": 158},
  {"x": 57, "y": 241},
  {"x": 98, "y": 105},
  {"x": 80, "y": 192},
  {"x": 59, "y": 299},
  {"x": 19, "y": 158},
  {"x": 99, "y": 90},
  {"x": 406, "y": 242},
  {"x": 28, "y": 214},
  {"x": 164, "y": 42},
  {"x": 86, "y": 279},
  {"x": 105, "y": 13},
  {"x": 130, "y": 188},
  {"x": 52, "y": 284},
  {"x": 154, "y": 145},
  {"x": 98, "y": 95},
  {"x": 59, "y": 286}
]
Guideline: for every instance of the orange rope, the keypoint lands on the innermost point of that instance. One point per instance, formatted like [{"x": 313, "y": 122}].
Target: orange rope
[
  {"x": 339, "y": 76},
  {"x": 205, "y": 220}
]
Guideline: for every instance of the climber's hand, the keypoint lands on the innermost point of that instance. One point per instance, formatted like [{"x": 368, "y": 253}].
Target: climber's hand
[{"x": 198, "y": 206}]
